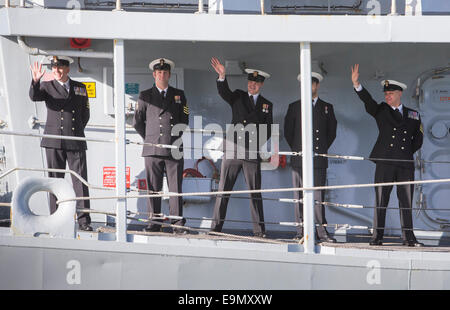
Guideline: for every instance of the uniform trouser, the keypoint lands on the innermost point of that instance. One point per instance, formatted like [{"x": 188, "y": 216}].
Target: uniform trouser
[
  {"x": 56, "y": 159},
  {"x": 320, "y": 176},
  {"x": 155, "y": 166},
  {"x": 228, "y": 174},
  {"x": 390, "y": 173}
]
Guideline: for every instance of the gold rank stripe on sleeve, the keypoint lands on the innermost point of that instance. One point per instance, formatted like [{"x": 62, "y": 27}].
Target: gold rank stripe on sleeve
[
  {"x": 421, "y": 128},
  {"x": 186, "y": 110}
]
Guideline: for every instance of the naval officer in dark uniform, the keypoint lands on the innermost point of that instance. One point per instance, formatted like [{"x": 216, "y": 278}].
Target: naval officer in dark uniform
[
  {"x": 251, "y": 115},
  {"x": 324, "y": 133},
  {"x": 67, "y": 115},
  {"x": 159, "y": 109},
  {"x": 400, "y": 136}
]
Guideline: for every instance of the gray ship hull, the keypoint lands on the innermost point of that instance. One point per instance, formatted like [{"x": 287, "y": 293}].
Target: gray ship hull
[{"x": 178, "y": 263}]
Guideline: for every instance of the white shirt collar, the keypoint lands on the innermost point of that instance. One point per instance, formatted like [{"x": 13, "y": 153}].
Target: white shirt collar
[
  {"x": 66, "y": 85},
  {"x": 315, "y": 101},
  {"x": 165, "y": 89},
  {"x": 255, "y": 97},
  {"x": 400, "y": 108}
]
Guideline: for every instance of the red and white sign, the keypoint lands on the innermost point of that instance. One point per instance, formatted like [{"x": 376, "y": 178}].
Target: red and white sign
[{"x": 109, "y": 177}]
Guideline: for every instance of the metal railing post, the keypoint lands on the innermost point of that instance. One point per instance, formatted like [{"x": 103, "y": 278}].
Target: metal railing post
[
  {"x": 118, "y": 5},
  {"x": 393, "y": 8},
  {"x": 119, "y": 100},
  {"x": 200, "y": 7},
  {"x": 307, "y": 147}
]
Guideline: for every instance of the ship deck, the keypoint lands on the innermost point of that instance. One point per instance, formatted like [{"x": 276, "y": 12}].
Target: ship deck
[
  {"x": 350, "y": 241},
  {"x": 238, "y": 259}
]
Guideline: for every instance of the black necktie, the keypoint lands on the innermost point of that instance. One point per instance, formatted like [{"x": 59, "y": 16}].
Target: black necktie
[
  {"x": 163, "y": 93},
  {"x": 66, "y": 91},
  {"x": 252, "y": 101},
  {"x": 398, "y": 115}
]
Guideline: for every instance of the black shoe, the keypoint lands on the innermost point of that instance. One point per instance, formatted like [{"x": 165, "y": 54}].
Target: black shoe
[
  {"x": 328, "y": 239},
  {"x": 375, "y": 242},
  {"x": 153, "y": 228},
  {"x": 298, "y": 237},
  {"x": 180, "y": 231},
  {"x": 85, "y": 227},
  {"x": 413, "y": 243},
  {"x": 259, "y": 235}
]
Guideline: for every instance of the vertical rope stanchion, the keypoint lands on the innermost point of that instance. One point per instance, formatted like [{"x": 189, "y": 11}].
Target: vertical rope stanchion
[
  {"x": 307, "y": 146},
  {"x": 120, "y": 148}
]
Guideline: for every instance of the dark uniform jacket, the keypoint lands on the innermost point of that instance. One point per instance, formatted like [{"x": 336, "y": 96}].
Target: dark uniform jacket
[
  {"x": 245, "y": 113},
  {"x": 67, "y": 113},
  {"x": 324, "y": 131},
  {"x": 155, "y": 117},
  {"x": 397, "y": 139}
]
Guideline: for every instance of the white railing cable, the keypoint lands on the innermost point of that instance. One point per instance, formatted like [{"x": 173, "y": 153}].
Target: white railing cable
[
  {"x": 272, "y": 190},
  {"x": 267, "y": 154}
]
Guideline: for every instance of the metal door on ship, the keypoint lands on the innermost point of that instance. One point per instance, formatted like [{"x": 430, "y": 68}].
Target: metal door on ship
[{"x": 435, "y": 114}]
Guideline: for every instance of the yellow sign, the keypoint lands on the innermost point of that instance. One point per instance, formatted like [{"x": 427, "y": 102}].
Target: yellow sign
[{"x": 90, "y": 88}]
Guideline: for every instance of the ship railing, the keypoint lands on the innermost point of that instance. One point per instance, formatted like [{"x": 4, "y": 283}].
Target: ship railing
[
  {"x": 262, "y": 191},
  {"x": 338, "y": 227},
  {"x": 156, "y": 218},
  {"x": 419, "y": 163},
  {"x": 159, "y": 218},
  {"x": 152, "y": 218},
  {"x": 35, "y": 121},
  {"x": 158, "y": 145},
  {"x": 179, "y": 6}
]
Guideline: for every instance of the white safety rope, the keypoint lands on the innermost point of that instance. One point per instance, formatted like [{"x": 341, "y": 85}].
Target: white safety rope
[
  {"x": 158, "y": 145},
  {"x": 273, "y": 190}
]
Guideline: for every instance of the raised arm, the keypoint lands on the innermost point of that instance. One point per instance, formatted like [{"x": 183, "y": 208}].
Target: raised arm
[
  {"x": 355, "y": 76},
  {"x": 222, "y": 84},
  {"x": 220, "y": 69},
  {"x": 36, "y": 93},
  {"x": 370, "y": 104}
]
